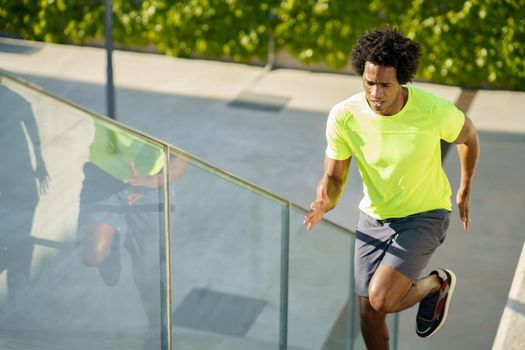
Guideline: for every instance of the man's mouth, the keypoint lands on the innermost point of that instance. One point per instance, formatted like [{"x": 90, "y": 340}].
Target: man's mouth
[{"x": 376, "y": 104}]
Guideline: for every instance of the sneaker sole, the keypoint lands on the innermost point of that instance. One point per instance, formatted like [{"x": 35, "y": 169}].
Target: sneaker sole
[{"x": 447, "y": 303}]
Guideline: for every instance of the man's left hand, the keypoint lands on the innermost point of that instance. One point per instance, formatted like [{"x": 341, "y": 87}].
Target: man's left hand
[
  {"x": 137, "y": 179},
  {"x": 463, "y": 201}
]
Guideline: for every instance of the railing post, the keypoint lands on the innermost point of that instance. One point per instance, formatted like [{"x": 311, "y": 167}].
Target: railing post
[
  {"x": 285, "y": 256},
  {"x": 395, "y": 332},
  {"x": 110, "y": 90},
  {"x": 352, "y": 305},
  {"x": 165, "y": 262}
]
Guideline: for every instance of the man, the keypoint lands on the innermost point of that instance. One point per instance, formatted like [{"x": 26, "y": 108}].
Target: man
[{"x": 393, "y": 132}]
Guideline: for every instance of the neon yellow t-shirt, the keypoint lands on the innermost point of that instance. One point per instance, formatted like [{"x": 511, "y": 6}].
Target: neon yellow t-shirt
[
  {"x": 113, "y": 149},
  {"x": 398, "y": 156}
]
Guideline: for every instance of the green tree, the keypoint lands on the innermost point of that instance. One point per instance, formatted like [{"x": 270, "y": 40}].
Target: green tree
[
  {"x": 474, "y": 43},
  {"x": 53, "y": 20},
  {"x": 213, "y": 28},
  {"x": 322, "y": 30}
]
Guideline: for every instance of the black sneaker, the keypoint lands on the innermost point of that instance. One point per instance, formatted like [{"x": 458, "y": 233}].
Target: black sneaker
[
  {"x": 110, "y": 267},
  {"x": 433, "y": 309}
]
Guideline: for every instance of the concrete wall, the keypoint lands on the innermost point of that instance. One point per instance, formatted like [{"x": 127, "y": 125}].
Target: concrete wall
[{"x": 511, "y": 331}]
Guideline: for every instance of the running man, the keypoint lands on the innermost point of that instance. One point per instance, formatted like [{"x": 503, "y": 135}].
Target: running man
[{"x": 393, "y": 132}]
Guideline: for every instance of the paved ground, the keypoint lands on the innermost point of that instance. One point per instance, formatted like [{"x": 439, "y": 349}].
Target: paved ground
[{"x": 277, "y": 143}]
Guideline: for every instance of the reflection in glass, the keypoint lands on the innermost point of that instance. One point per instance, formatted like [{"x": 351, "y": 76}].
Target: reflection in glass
[
  {"x": 121, "y": 209},
  {"x": 20, "y": 187},
  {"x": 320, "y": 288}
]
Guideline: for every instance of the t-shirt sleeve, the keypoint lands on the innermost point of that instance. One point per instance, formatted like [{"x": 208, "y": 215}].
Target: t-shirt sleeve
[
  {"x": 447, "y": 119},
  {"x": 336, "y": 148}
]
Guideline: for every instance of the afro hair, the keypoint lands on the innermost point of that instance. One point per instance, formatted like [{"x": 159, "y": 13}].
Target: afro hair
[{"x": 387, "y": 47}]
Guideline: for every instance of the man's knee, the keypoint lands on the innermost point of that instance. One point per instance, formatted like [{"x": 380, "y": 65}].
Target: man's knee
[
  {"x": 381, "y": 300},
  {"x": 387, "y": 289},
  {"x": 95, "y": 243}
]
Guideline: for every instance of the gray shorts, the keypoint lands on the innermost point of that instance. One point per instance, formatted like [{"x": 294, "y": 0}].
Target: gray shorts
[
  {"x": 103, "y": 200},
  {"x": 406, "y": 244}
]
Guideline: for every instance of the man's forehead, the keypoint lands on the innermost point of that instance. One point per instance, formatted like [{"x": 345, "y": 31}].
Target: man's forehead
[{"x": 375, "y": 72}]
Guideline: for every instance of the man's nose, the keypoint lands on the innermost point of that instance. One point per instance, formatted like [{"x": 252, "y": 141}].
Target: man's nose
[{"x": 375, "y": 91}]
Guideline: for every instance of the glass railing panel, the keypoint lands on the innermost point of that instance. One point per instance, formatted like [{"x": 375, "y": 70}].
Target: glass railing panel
[
  {"x": 79, "y": 247},
  {"x": 319, "y": 285},
  {"x": 225, "y": 262},
  {"x": 322, "y": 302}
]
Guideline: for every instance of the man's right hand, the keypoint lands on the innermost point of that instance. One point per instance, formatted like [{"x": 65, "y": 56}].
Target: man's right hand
[{"x": 317, "y": 209}]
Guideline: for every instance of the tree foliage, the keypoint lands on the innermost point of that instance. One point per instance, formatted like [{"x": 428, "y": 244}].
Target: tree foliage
[
  {"x": 473, "y": 43},
  {"x": 322, "y": 30}
]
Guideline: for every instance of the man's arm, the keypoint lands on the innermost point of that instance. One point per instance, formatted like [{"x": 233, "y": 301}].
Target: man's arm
[
  {"x": 329, "y": 190},
  {"x": 177, "y": 168},
  {"x": 468, "y": 149}
]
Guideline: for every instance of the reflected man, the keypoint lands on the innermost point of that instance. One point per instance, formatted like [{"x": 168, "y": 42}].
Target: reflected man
[{"x": 121, "y": 206}]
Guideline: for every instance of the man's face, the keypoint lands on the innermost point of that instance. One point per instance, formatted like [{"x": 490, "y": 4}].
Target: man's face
[{"x": 382, "y": 90}]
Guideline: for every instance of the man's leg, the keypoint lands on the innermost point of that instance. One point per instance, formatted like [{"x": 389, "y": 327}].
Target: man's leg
[
  {"x": 99, "y": 217},
  {"x": 392, "y": 291},
  {"x": 373, "y": 326},
  {"x": 100, "y": 222},
  {"x": 389, "y": 291},
  {"x": 100, "y": 248},
  {"x": 142, "y": 243},
  {"x": 407, "y": 244},
  {"x": 98, "y": 241},
  {"x": 146, "y": 274}
]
